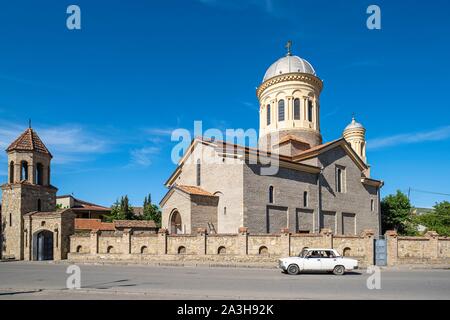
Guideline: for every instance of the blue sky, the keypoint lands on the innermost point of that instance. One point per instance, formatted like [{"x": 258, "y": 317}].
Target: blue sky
[{"x": 105, "y": 98}]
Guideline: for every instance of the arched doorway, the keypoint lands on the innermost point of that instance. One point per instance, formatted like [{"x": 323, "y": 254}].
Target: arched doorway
[
  {"x": 175, "y": 223},
  {"x": 43, "y": 248}
]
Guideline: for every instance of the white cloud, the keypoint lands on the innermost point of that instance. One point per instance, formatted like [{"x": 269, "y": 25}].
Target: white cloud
[
  {"x": 437, "y": 134},
  {"x": 142, "y": 157},
  {"x": 159, "y": 131},
  {"x": 68, "y": 143}
]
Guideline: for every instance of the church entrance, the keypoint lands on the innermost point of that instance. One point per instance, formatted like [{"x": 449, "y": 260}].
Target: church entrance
[
  {"x": 43, "y": 248},
  {"x": 175, "y": 223}
]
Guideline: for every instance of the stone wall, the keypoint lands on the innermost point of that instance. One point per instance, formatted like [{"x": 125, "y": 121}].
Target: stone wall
[
  {"x": 250, "y": 248},
  {"x": 429, "y": 249}
]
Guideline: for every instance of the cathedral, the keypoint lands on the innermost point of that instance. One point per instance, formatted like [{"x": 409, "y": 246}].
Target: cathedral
[
  {"x": 218, "y": 187},
  {"x": 316, "y": 185}
]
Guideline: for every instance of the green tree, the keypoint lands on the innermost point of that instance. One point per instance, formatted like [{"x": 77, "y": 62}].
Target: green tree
[
  {"x": 121, "y": 210},
  {"x": 396, "y": 214},
  {"x": 151, "y": 211},
  {"x": 438, "y": 220}
]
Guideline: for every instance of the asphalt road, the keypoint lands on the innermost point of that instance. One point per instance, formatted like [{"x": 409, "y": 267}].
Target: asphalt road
[{"x": 21, "y": 280}]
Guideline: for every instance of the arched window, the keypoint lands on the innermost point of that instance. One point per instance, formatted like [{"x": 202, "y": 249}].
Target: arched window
[
  {"x": 198, "y": 172},
  {"x": 271, "y": 194},
  {"x": 11, "y": 172},
  {"x": 347, "y": 252},
  {"x": 144, "y": 250},
  {"x": 305, "y": 199},
  {"x": 79, "y": 248},
  {"x": 268, "y": 114},
  {"x": 263, "y": 250},
  {"x": 222, "y": 250},
  {"x": 281, "y": 110},
  {"x": 10, "y": 220},
  {"x": 39, "y": 174},
  {"x": 110, "y": 249},
  {"x": 48, "y": 175},
  {"x": 181, "y": 250},
  {"x": 296, "y": 109},
  {"x": 23, "y": 170},
  {"x": 310, "y": 110},
  {"x": 39, "y": 205}
]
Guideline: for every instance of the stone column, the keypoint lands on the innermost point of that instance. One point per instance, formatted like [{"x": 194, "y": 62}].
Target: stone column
[
  {"x": 17, "y": 169},
  {"x": 285, "y": 242},
  {"x": 433, "y": 244},
  {"x": 201, "y": 238},
  {"x": 162, "y": 241},
  {"x": 392, "y": 247},
  {"x": 305, "y": 109},
  {"x": 31, "y": 173},
  {"x": 126, "y": 241},
  {"x": 289, "y": 109},
  {"x": 243, "y": 241},
  {"x": 27, "y": 239},
  {"x": 327, "y": 238},
  {"x": 57, "y": 244},
  {"x": 94, "y": 242},
  {"x": 369, "y": 246}
]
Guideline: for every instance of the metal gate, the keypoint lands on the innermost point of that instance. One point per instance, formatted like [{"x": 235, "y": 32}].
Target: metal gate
[{"x": 380, "y": 251}]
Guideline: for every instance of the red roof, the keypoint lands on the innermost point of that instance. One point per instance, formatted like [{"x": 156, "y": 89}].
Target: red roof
[
  {"x": 29, "y": 141},
  {"x": 194, "y": 190},
  {"x": 97, "y": 224},
  {"x": 93, "y": 224}
]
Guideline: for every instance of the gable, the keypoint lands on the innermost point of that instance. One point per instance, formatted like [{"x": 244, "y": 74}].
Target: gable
[{"x": 326, "y": 148}]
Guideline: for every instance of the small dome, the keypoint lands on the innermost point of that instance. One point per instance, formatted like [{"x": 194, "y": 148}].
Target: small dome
[
  {"x": 289, "y": 64},
  {"x": 354, "y": 125}
]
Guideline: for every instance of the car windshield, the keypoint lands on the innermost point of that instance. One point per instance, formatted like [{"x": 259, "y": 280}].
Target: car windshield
[{"x": 303, "y": 253}]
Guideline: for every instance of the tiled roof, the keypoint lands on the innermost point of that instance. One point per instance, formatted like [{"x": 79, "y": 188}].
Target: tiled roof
[
  {"x": 29, "y": 141},
  {"x": 289, "y": 137},
  {"x": 81, "y": 205},
  {"x": 134, "y": 224},
  {"x": 97, "y": 224},
  {"x": 316, "y": 148},
  {"x": 49, "y": 213},
  {"x": 93, "y": 224},
  {"x": 194, "y": 190}
]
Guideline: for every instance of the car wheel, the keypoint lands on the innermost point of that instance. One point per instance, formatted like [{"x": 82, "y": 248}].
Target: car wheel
[
  {"x": 339, "y": 270},
  {"x": 293, "y": 269}
]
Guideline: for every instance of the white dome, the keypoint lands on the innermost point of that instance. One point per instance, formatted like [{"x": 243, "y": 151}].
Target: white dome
[
  {"x": 289, "y": 64},
  {"x": 354, "y": 125}
]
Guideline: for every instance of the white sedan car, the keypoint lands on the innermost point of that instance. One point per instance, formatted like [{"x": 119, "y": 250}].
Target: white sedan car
[{"x": 313, "y": 259}]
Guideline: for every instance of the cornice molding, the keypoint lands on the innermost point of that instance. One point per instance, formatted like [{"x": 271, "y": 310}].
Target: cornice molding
[{"x": 305, "y": 77}]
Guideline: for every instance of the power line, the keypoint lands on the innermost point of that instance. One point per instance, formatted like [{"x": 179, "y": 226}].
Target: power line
[{"x": 430, "y": 192}]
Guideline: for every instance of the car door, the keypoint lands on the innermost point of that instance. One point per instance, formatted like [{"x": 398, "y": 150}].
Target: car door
[
  {"x": 313, "y": 261},
  {"x": 328, "y": 261}
]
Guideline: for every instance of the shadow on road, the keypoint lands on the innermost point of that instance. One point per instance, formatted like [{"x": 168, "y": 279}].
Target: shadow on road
[
  {"x": 309, "y": 273},
  {"x": 19, "y": 292}
]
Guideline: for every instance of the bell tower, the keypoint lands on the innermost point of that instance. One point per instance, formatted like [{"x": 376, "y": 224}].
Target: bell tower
[{"x": 28, "y": 189}]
